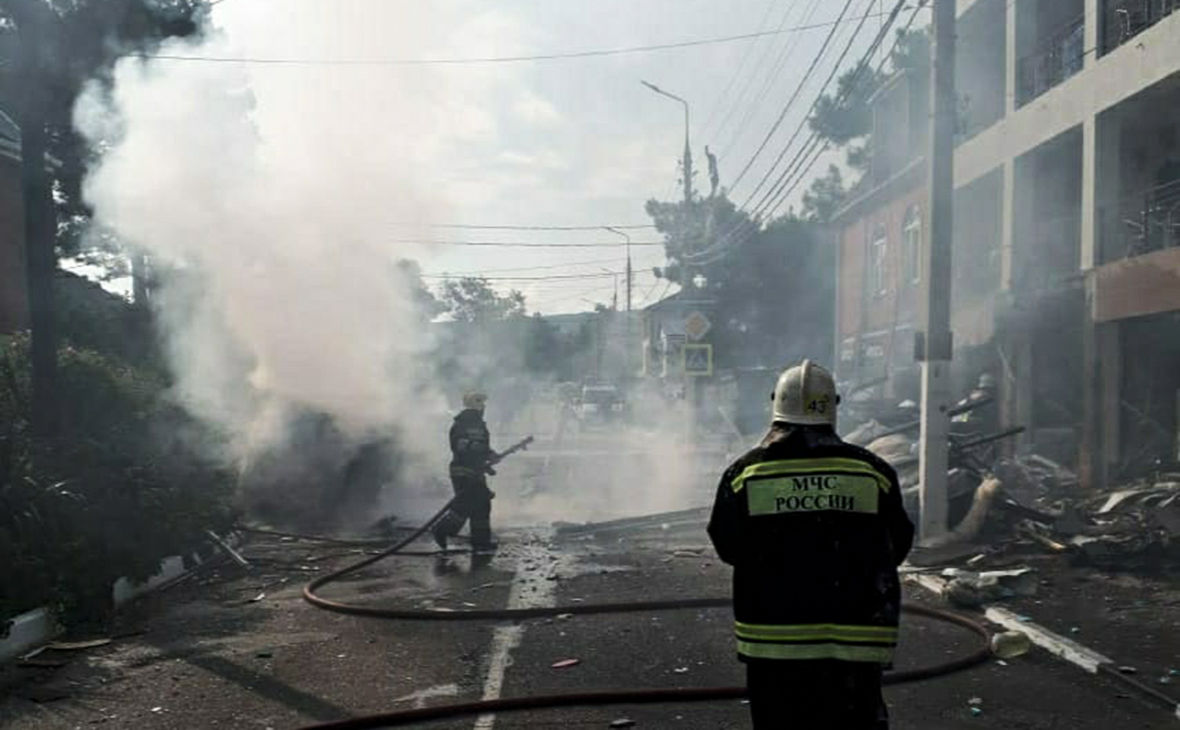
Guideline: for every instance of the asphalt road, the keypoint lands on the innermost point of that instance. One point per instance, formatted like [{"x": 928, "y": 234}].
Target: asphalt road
[{"x": 242, "y": 650}]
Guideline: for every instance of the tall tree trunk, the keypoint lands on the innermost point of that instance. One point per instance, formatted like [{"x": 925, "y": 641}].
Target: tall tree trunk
[{"x": 34, "y": 24}]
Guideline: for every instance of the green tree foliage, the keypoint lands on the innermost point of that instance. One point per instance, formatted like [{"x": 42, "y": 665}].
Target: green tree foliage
[
  {"x": 473, "y": 300},
  {"x": 80, "y": 45},
  {"x": 846, "y": 114},
  {"x": 116, "y": 492},
  {"x": 691, "y": 227},
  {"x": 771, "y": 285},
  {"x": 823, "y": 199}
]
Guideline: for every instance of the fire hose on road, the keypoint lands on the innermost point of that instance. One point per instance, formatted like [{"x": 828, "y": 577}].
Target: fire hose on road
[{"x": 978, "y": 655}]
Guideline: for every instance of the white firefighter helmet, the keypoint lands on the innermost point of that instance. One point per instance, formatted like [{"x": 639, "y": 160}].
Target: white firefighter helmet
[
  {"x": 475, "y": 399},
  {"x": 805, "y": 395}
]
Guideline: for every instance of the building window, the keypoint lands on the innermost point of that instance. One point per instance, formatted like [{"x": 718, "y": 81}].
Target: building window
[
  {"x": 877, "y": 248},
  {"x": 911, "y": 245}
]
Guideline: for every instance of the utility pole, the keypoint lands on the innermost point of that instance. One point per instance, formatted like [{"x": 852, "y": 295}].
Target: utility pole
[
  {"x": 935, "y": 345},
  {"x": 627, "y": 238},
  {"x": 34, "y": 22}
]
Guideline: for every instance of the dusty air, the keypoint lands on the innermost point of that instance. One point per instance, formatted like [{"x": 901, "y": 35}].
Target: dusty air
[{"x": 677, "y": 364}]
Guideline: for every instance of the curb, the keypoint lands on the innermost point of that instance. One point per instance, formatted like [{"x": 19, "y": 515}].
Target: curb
[
  {"x": 1056, "y": 644},
  {"x": 27, "y": 631},
  {"x": 1068, "y": 649}
]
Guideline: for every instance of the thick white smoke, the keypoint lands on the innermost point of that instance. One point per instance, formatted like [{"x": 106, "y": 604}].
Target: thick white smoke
[
  {"x": 270, "y": 203},
  {"x": 284, "y": 295}
]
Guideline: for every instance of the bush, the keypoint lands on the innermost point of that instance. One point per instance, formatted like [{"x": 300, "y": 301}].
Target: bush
[{"x": 116, "y": 490}]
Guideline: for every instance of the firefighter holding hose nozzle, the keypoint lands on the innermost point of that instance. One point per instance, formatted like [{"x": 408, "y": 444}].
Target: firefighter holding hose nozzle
[
  {"x": 814, "y": 528},
  {"x": 472, "y": 458}
]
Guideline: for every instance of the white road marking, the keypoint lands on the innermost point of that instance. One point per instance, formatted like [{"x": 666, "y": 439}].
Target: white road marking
[
  {"x": 531, "y": 588},
  {"x": 439, "y": 690}
]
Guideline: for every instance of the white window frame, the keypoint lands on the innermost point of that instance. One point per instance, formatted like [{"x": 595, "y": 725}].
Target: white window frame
[
  {"x": 878, "y": 251},
  {"x": 911, "y": 244}
]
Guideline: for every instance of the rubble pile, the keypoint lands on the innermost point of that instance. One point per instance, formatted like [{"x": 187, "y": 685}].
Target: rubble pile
[{"x": 1002, "y": 508}]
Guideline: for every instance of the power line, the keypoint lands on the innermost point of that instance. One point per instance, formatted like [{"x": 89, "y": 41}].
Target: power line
[
  {"x": 483, "y": 227},
  {"x": 778, "y": 122},
  {"x": 827, "y": 82},
  {"x": 549, "y": 277},
  {"x": 613, "y": 259},
  {"x": 522, "y": 244},
  {"x": 482, "y": 59},
  {"x": 741, "y": 67},
  {"x": 720, "y": 248},
  {"x": 784, "y": 54},
  {"x": 814, "y": 140}
]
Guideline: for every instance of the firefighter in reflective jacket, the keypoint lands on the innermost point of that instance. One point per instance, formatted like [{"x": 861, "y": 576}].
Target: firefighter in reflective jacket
[
  {"x": 814, "y": 528},
  {"x": 471, "y": 460}
]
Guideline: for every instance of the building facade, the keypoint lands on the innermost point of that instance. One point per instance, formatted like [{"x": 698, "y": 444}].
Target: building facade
[
  {"x": 1067, "y": 232},
  {"x": 13, "y": 299}
]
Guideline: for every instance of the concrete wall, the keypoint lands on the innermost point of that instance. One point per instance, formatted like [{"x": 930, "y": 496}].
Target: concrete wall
[{"x": 13, "y": 299}]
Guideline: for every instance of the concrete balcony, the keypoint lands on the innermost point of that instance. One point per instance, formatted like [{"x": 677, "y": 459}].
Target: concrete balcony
[
  {"x": 1120, "y": 74},
  {"x": 1136, "y": 287}
]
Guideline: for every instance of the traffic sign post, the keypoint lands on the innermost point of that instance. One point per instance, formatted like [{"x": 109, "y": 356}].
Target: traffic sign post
[
  {"x": 697, "y": 325},
  {"x": 698, "y": 360}
]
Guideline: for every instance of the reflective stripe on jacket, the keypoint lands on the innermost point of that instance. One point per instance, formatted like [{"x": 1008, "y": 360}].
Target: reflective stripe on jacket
[
  {"x": 815, "y": 529},
  {"x": 816, "y": 641}
]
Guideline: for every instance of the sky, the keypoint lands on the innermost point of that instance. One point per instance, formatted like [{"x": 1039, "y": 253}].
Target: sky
[{"x": 559, "y": 142}]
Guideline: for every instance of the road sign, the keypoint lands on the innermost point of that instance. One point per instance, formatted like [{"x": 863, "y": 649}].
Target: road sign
[
  {"x": 697, "y": 325},
  {"x": 698, "y": 360}
]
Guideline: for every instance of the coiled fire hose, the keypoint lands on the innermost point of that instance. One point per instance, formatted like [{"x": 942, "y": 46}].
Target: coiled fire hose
[{"x": 980, "y": 654}]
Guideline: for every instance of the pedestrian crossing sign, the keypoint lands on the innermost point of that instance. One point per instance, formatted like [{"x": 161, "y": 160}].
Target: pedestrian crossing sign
[{"x": 698, "y": 360}]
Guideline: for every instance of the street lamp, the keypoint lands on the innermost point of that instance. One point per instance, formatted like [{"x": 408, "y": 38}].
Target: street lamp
[{"x": 687, "y": 148}]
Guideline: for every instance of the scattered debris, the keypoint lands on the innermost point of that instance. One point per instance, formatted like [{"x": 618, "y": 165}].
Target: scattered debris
[
  {"x": 1127, "y": 669},
  {"x": 564, "y": 663},
  {"x": 78, "y": 645},
  {"x": 237, "y": 557},
  {"x": 969, "y": 589},
  {"x": 622, "y": 722},
  {"x": 257, "y": 598},
  {"x": 1010, "y": 644}
]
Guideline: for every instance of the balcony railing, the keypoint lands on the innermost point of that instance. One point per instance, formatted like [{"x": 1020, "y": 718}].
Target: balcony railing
[
  {"x": 1055, "y": 59},
  {"x": 1141, "y": 223},
  {"x": 1125, "y": 19}
]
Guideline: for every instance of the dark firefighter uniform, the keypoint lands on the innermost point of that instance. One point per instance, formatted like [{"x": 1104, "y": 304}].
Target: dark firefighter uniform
[
  {"x": 471, "y": 457},
  {"x": 814, "y": 529}
]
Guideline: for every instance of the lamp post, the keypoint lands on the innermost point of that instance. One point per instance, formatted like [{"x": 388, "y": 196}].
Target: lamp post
[
  {"x": 689, "y": 277},
  {"x": 687, "y": 148}
]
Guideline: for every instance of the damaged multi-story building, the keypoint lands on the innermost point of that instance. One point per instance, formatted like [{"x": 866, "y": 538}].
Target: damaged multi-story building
[{"x": 1066, "y": 246}]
